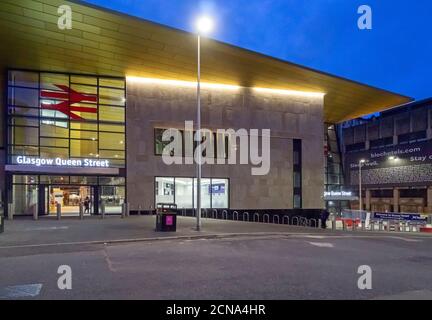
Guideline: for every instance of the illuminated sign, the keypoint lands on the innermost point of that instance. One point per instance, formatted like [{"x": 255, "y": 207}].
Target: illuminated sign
[
  {"x": 339, "y": 196},
  {"x": 68, "y": 101},
  {"x": 59, "y": 162}
]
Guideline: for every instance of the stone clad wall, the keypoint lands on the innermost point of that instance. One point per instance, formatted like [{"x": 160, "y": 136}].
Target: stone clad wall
[{"x": 288, "y": 117}]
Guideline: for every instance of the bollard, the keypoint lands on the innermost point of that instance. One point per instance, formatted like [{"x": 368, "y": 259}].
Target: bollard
[
  {"x": 10, "y": 211},
  {"x": 125, "y": 210},
  {"x": 344, "y": 226},
  {"x": 35, "y": 213},
  {"x": 363, "y": 227},
  {"x": 334, "y": 224},
  {"x": 410, "y": 227},
  {"x": 81, "y": 211},
  {"x": 354, "y": 225},
  {"x": 380, "y": 225},
  {"x": 58, "y": 207},
  {"x": 102, "y": 209}
]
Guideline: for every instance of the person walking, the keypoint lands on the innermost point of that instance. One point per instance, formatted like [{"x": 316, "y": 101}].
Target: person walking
[{"x": 324, "y": 217}]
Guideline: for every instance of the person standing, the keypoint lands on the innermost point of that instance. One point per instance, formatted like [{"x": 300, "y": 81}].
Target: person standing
[{"x": 87, "y": 205}]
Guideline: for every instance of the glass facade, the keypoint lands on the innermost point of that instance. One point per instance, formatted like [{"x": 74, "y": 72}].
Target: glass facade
[
  {"x": 183, "y": 192},
  {"x": 334, "y": 178},
  {"x": 52, "y": 115}
]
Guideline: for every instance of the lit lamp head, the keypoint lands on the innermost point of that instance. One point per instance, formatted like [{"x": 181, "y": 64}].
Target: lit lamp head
[
  {"x": 204, "y": 25},
  {"x": 362, "y": 161}
]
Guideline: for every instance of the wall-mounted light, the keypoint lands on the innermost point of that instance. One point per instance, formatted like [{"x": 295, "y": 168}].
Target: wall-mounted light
[{"x": 207, "y": 85}]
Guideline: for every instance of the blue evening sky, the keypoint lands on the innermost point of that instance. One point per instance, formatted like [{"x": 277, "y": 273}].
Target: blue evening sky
[{"x": 322, "y": 34}]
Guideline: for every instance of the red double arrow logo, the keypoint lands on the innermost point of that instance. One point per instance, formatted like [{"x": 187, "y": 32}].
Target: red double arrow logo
[{"x": 70, "y": 97}]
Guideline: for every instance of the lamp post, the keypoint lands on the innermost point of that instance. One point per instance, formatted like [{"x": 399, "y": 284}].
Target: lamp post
[
  {"x": 360, "y": 184},
  {"x": 204, "y": 25}
]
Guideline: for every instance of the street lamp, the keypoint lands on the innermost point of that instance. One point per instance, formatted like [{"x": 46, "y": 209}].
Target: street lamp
[
  {"x": 361, "y": 161},
  {"x": 204, "y": 25}
]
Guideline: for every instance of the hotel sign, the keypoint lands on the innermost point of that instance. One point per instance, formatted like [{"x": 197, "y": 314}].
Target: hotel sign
[{"x": 59, "y": 162}]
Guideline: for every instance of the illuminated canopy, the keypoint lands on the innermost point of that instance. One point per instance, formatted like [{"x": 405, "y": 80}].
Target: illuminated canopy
[{"x": 104, "y": 42}]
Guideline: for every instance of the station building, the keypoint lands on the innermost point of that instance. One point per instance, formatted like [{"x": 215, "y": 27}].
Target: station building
[{"x": 85, "y": 109}]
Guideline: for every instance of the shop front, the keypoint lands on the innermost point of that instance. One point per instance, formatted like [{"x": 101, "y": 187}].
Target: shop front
[{"x": 65, "y": 143}]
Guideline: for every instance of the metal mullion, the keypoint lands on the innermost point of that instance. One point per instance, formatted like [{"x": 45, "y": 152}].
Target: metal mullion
[
  {"x": 98, "y": 111},
  {"x": 39, "y": 113},
  {"x": 69, "y": 121}
]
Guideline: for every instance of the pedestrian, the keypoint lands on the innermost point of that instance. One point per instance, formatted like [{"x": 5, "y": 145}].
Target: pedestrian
[
  {"x": 87, "y": 205},
  {"x": 324, "y": 217}
]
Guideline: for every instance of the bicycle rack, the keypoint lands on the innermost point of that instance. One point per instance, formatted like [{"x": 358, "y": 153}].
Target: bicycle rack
[
  {"x": 235, "y": 215},
  {"x": 256, "y": 214},
  {"x": 268, "y": 218},
  {"x": 224, "y": 215},
  {"x": 296, "y": 219},
  {"x": 278, "y": 219},
  {"x": 245, "y": 214},
  {"x": 287, "y": 219},
  {"x": 314, "y": 223},
  {"x": 304, "y": 222}
]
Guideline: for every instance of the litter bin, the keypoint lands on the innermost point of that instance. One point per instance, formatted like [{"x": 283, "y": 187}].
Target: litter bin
[
  {"x": 1, "y": 224},
  {"x": 166, "y": 217}
]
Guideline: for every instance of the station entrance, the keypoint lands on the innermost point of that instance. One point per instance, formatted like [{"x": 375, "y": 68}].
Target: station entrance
[
  {"x": 69, "y": 197},
  {"x": 31, "y": 194}
]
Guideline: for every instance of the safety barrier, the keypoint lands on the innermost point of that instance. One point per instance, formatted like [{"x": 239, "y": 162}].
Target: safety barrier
[
  {"x": 268, "y": 218},
  {"x": 278, "y": 219},
  {"x": 256, "y": 217}
]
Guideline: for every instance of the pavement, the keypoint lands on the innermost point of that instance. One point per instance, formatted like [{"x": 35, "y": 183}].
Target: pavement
[{"x": 126, "y": 259}]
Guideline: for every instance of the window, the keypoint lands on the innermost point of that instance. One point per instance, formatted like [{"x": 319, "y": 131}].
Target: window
[
  {"x": 66, "y": 115},
  {"x": 164, "y": 190},
  {"x": 219, "y": 193},
  {"x": 183, "y": 192},
  {"x": 412, "y": 137},
  {"x": 297, "y": 174}
]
